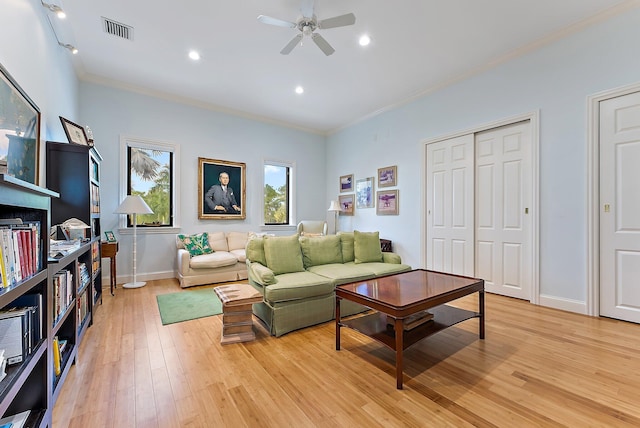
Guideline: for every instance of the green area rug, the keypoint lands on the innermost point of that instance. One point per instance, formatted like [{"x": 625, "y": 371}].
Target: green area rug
[{"x": 188, "y": 305}]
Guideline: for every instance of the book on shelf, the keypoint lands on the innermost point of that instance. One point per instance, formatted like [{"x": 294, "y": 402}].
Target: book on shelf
[
  {"x": 19, "y": 251},
  {"x": 56, "y": 357},
  {"x": 413, "y": 320}
]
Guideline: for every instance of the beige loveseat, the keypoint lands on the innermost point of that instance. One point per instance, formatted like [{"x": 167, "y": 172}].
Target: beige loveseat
[
  {"x": 297, "y": 276},
  {"x": 225, "y": 263}
]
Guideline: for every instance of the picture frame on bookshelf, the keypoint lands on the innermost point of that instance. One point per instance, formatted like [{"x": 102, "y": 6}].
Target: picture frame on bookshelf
[
  {"x": 109, "y": 236},
  {"x": 221, "y": 189},
  {"x": 19, "y": 130},
  {"x": 75, "y": 133}
]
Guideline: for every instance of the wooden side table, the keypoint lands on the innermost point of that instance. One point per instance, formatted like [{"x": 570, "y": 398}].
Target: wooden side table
[{"x": 109, "y": 250}]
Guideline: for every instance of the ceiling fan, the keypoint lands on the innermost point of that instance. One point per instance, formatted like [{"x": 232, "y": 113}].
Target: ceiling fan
[{"x": 307, "y": 24}]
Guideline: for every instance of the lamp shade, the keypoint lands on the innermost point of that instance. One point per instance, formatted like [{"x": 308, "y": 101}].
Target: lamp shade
[
  {"x": 133, "y": 204},
  {"x": 335, "y": 206}
]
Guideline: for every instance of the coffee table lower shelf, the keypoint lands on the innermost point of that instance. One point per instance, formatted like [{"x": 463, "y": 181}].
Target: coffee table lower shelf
[{"x": 375, "y": 325}]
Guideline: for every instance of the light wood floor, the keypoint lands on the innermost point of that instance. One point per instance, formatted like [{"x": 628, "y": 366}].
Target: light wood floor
[{"x": 537, "y": 367}]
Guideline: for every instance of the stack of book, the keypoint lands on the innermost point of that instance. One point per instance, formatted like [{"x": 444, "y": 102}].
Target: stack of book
[
  {"x": 414, "y": 320},
  {"x": 237, "y": 322},
  {"x": 19, "y": 251}
]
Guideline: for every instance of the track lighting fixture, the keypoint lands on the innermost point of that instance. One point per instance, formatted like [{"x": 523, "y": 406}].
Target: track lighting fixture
[
  {"x": 72, "y": 48},
  {"x": 55, "y": 9}
]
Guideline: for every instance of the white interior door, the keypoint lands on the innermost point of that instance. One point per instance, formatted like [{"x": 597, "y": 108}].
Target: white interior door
[
  {"x": 450, "y": 211},
  {"x": 503, "y": 200},
  {"x": 620, "y": 207}
]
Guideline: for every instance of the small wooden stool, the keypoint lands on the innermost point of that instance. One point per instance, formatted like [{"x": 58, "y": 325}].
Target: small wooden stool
[{"x": 237, "y": 317}]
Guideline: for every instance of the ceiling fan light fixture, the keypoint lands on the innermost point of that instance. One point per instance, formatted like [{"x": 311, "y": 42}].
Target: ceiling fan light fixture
[
  {"x": 194, "y": 55},
  {"x": 299, "y": 90},
  {"x": 364, "y": 40},
  {"x": 55, "y": 9}
]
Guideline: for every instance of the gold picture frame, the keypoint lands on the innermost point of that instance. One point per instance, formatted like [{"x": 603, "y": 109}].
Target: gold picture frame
[
  {"x": 346, "y": 183},
  {"x": 218, "y": 200},
  {"x": 347, "y": 204},
  {"x": 387, "y": 176},
  {"x": 387, "y": 202}
]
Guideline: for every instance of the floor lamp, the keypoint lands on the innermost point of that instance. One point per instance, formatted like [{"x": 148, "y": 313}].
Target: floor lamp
[
  {"x": 134, "y": 205},
  {"x": 335, "y": 207}
]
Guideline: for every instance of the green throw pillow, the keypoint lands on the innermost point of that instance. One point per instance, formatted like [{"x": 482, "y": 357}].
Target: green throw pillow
[
  {"x": 283, "y": 254},
  {"x": 366, "y": 247},
  {"x": 197, "y": 244},
  {"x": 255, "y": 250},
  {"x": 346, "y": 239},
  {"x": 320, "y": 250}
]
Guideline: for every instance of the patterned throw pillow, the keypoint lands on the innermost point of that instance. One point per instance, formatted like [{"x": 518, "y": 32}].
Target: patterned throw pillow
[{"x": 197, "y": 244}]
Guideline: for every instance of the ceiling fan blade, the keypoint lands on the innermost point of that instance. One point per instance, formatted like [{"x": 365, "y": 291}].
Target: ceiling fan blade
[
  {"x": 306, "y": 8},
  {"x": 322, "y": 44},
  {"x": 337, "y": 21},
  {"x": 292, "y": 44},
  {"x": 275, "y": 21}
]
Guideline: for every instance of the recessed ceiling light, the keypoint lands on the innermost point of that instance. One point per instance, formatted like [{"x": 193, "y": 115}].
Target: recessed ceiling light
[
  {"x": 364, "y": 40},
  {"x": 194, "y": 55},
  {"x": 299, "y": 89}
]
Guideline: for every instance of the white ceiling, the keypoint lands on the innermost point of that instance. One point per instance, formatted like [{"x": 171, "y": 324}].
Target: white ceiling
[{"x": 417, "y": 46}]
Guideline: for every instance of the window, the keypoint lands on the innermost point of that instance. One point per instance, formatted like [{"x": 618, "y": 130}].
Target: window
[
  {"x": 150, "y": 169},
  {"x": 278, "y": 193}
]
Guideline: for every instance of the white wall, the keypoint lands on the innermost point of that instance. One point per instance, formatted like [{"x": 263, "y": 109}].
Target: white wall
[
  {"x": 30, "y": 53},
  {"x": 554, "y": 80},
  {"x": 199, "y": 132}
]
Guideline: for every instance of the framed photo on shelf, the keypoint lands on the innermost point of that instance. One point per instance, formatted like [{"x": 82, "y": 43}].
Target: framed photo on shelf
[
  {"x": 75, "y": 133},
  {"x": 20, "y": 127},
  {"x": 387, "y": 176},
  {"x": 346, "y": 183},
  {"x": 346, "y": 203},
  {"x": 109, "y": 236},
  {"x": 387, "y": 202},
  {"x": 221, "y": 189},
  {"x": 365, "y": 193}
]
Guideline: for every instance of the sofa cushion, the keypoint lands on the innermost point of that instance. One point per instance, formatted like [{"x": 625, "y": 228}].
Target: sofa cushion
[
  {"x": 283, "y": 254},
  {"x": 218, "y": 241},
  {"x": 255, "y": 250},
  {"x": 381, "y": 269},
  {"x": 366, "y": 247},
  {"x": 237, "y": 240},
  {"x": 213, "y": 260},
  {"x": 240, "y": 254},
  {"x": 297, "y": 286},
  {"x": 320, "y": 250},
  {"x": 346, "y": 241},
  {"x": 342, "y": 273},
  {"x": 197, "y": 244}
]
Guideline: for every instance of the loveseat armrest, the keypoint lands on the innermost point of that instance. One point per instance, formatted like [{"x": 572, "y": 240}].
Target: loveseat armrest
[
  {"x": 260, "y": 273},
  {"x": 391, "y": 258},
  {"x": 183, "y": 261}
]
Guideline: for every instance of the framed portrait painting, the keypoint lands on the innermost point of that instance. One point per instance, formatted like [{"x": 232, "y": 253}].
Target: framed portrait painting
[
  {"x": 346, "y": 183},
  {"x": 387, "y": 176},
  {"x": 221, "y": 189},
  {"x": 387, "y": 202},
  {"x": 19, "y": 131},
  {"x": 346, "y": 204},
  {"x": 365, "y": 193}
]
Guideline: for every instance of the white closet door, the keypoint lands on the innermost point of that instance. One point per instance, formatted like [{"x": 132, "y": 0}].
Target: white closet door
[
  {"x": 502, "y": 219},
  {"x": 450, "y": 230},
  {"x": 620, "y": 207}
]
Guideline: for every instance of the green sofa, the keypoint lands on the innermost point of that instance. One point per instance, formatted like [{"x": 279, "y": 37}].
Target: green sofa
[{"x": 297, "y": 275}]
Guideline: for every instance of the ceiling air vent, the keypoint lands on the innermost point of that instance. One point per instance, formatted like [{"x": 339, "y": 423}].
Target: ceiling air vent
[{"x": 117, "y": 29}]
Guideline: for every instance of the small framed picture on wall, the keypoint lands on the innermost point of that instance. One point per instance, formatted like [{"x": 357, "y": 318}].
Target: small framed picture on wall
[
  {"x": 346, "y": 183},
  {"x": 387, "y": 176}
]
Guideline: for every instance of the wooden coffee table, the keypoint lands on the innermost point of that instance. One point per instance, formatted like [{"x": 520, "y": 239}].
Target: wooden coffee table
[{"x": 403, "y": 295}]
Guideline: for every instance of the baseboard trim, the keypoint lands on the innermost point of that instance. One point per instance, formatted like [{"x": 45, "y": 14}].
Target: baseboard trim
[{"x": 564, "y": 304}]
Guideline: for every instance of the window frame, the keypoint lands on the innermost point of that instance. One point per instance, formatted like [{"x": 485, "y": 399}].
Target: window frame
[
  {"x": 125, "y": 143},
  {"x": 291, "y": 196}
]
